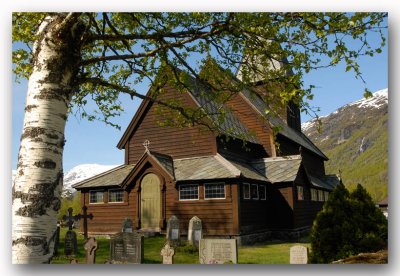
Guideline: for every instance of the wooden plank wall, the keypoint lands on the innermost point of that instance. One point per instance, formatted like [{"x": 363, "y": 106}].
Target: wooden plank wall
[
  {"x": 253, "y": 121},
  {"x": 176, "y": 142},
  {"x": 108, "y": 217},
  {"x": 217, "y": 215}
]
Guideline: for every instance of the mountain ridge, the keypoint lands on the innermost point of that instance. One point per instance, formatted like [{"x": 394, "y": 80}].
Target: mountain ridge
[{"x": 355, "y": 139}]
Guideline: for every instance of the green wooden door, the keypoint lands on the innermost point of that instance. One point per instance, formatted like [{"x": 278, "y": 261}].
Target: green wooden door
[{"x": 150, "y": 211}]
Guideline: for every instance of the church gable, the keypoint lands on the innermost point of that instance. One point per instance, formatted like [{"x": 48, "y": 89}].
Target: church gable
[{"x": 189, "y": 141}]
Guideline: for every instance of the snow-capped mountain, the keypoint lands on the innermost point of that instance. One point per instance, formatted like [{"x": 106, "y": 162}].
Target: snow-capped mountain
[
  {"x": 78, "y": 173},
  {"x": 355, "y": 139},
  {"x": 82, "y": 172},
  {"x": 378, "y": 100}
]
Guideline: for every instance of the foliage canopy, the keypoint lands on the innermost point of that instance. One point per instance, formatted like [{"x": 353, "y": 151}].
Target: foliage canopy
[{"x": 117, "y": 51}]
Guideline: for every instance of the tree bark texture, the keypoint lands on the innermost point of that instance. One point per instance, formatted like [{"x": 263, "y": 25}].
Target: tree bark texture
[{"x": 37, "y": 188}]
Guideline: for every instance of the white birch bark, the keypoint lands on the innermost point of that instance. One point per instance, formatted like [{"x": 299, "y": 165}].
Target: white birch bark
[{"x": 38, "y": 183}]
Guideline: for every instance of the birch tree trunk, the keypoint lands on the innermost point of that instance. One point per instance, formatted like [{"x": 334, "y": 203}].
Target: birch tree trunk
[{"x": 38, "y": 183}]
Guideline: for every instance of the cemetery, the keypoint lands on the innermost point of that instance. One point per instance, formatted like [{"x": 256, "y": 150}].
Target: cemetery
[{"x": 267, "y": 253}]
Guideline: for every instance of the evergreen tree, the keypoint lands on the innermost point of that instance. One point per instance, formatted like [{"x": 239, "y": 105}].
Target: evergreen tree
[{"x": 347, "y": 225}]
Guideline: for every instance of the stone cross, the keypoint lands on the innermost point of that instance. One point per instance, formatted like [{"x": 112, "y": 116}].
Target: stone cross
[
  {"x": 168, "y": 254},
  {"x": 90, "y": 248},
  {"x": 70, "y": 218},
  {"x": 84, "y": 216},
  {"x": 146, "y": 145}
]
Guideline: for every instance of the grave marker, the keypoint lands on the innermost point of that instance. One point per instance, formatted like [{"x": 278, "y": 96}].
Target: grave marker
[
  {"x": 127, "y": 226},
  {"x": 173, "y": 232},
  {"x": 84, "y": 216},
  {"x": 70, "y": 242},
  {"x": 90, "y": 248},
  {"x": 298, "y": 254},
  {"x": 127, "y": 248},
  {"x": 168, "y": 254},
  {"x": 195, "y": 232},
  {"x": 218, "y": 251}
]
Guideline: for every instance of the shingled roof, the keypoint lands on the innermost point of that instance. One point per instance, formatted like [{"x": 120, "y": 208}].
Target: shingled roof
[
  {"x": 113, "y": 177},
  {"x": 279, "y": 169},
  {"x": 286, "y": 131}
]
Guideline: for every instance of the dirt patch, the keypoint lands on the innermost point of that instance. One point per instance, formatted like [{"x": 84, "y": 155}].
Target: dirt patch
[{"x": 380, "y": 257}]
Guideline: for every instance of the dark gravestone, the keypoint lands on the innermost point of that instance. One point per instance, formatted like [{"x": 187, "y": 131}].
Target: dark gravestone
[
  {"x": 173, "y": 233},
  {"x": 70, "y": 243},
  {"x": 127, "y": 226},
  {"x": 127, "y": 248},
  {"x": 90, "y": 248}
]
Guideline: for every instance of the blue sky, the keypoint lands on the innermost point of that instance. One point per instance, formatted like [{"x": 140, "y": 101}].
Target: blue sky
[{"x": 94, "y": 142}]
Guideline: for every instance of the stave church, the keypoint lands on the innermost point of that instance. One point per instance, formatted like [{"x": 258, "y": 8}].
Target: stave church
[{"x": 240, "y": 186}]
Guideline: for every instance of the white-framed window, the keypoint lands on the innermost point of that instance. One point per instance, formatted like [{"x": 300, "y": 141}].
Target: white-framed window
[
  {"x": 320, "y": 195},
  {"x": 116, "y": 195},
  {"x": 246, "y": 191},
  {"x": 314, "y": 194},
  {"x": 262, "y": 190},
  {"x": 326, "y": 195},
  {"x": 189, "y": 192},
  {"x": 214, "y": 190},
  {"x": 254, "y": 191},
  {"x": 300, "y": 192},
  {"x": 96, "y": 196}
]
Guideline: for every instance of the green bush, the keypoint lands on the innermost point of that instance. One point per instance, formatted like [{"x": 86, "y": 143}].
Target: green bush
[{"x": 348, "y": 224}]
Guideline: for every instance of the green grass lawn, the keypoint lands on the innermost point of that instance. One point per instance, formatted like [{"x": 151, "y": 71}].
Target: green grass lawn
[{"x": 265, "y": 253}]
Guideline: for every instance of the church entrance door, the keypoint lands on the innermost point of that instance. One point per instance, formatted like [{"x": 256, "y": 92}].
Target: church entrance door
[{"x": 150, "y": 202}]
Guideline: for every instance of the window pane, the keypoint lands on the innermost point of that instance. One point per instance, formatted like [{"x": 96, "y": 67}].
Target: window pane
[
  {"x": 246, "y": 191},
  {"x": 115, "y": 195},
  {"x": 188, "y": 192},
  {"x": 254, "y": 191},
  {"x": 96, "y": 196},
  {"x": 300, "y": 193},
  {"x": 214, "y": 190},
  {"x": 263, "y": 192}
]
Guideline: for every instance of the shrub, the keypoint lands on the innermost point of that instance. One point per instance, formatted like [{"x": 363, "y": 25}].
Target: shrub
[{"x": 347, "y": 225}]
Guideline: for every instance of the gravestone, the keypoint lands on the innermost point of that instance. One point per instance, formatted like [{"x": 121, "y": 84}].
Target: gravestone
[
  {"x": 73, "y": 261},
  {"x": 127, "y": 226},
  {"x": 298, "y": 254},
  {"x": 195, "y": 232},
  {"x": 127, "y": 248},
  {"x": 168, "y": 254},
  {"x": 90, "y": 248},
  {"x": 70, "y": 243},
  {"x": 84, "y": 216},
  {"x": 218, "y": 251},
  {"x": 173, "y": 232}
]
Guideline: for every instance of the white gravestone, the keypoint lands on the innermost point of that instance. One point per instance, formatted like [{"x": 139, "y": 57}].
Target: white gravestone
[
  {"x": 195, "y": 231},
  {"x": 298, "y": 254},
  {"x": 168, "y": 254},
  {"x": 218, "y": 251}
]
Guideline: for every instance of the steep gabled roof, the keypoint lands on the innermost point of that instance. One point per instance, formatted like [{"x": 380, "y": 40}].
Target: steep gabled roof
[
  {"x": 259, "y": 105},
  {"x": 231, "y": 125}
]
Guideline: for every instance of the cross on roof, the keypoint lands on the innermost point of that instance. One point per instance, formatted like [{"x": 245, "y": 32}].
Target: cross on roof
[{"x": 146, "y": 145}]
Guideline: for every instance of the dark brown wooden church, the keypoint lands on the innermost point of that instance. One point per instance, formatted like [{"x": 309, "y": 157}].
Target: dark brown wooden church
[{"x": 246, "y": 192}]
